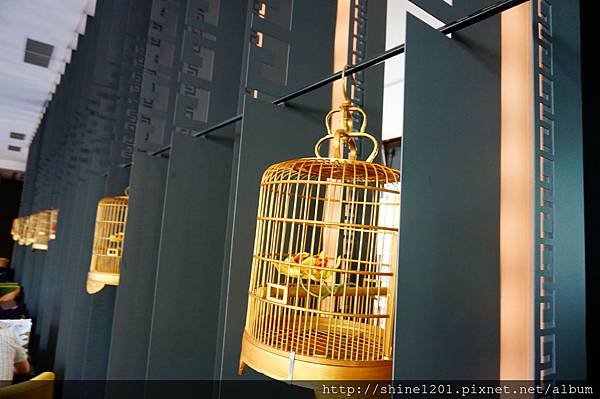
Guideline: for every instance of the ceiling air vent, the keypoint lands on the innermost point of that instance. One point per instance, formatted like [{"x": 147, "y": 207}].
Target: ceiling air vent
[
  {"x": 14, "y": 148},
  {"x": 38, "y": 53},
  {"x": 17, "y": 136}
]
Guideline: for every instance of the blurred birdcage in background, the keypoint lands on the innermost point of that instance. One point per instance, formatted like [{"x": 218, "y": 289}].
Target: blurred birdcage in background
[
  {"x": 109, "y": 235},
  {"x": 42, "y": 231},
  {"x": 35, "y": 230},
  {"x": 321, "y": 295}
]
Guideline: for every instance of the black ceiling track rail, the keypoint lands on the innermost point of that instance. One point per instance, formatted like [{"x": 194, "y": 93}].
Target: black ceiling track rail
[{"x": 452, "y": 27}]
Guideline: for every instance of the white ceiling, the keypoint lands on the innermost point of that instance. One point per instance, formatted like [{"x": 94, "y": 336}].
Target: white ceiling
[{"x": 26, "y": 89}]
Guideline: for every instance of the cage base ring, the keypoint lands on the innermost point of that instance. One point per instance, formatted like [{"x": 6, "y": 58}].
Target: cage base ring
[
  {"x": 97, "y": 280},
  {"x": 276, "y": 364}
]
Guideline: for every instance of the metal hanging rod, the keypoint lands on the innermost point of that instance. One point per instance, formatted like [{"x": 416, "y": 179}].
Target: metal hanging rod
[
  {"x": 204, "y": 132},
  {"x": 219, "y": 125},
  {"x": 452, "y": 27}
]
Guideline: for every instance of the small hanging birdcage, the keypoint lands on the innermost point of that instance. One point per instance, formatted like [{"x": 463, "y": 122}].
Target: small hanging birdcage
[
  {"x": 321, "y": 295},
  {"x": 42, "y": 231},
  {"x": 30, "y": 230},
  {"x": 107, "y": 249},
  {"x": 53, "y": 223}
]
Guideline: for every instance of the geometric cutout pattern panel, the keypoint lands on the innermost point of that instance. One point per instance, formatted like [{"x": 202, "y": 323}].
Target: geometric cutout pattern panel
[
  {"x": 358, "y": 47},
  {"x": 180, "y": 67},
  {"x": 270, "y": 47},
  {"x": 281, "y": 58},
  {"x": 159, "y": 73},
  {"x": 545, "y": 298}
]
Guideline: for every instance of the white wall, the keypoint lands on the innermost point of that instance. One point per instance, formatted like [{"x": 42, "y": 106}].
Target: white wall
[{"x": 393, "y": 93}]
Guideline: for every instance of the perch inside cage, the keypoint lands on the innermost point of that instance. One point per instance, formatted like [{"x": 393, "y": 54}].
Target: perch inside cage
[
  {"x": 42, "y": 231},
  {"x": 107, "y": 249},
  {"x": 53, "y": 223},
  {"x": 321, "y": 295}
]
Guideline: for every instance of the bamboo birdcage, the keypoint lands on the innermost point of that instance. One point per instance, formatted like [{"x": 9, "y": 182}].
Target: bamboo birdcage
[
  {"x": 42, "y": 231},
  {"x": 109, "y": 235},
  {"x": 321, "y": 295}
]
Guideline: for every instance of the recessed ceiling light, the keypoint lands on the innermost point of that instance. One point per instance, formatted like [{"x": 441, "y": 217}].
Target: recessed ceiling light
[
  {"x": 38, "y": 53},
  {"x": 17, "y": 136}
]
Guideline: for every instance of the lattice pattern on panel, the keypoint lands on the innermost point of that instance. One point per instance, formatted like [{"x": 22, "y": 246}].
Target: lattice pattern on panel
[
  {"x": 109, "y": 236},
  {"x": 180, "y": 69},
  {"x": 545, "y": 361},
  {"x": 159, "y": 74},
  {"x": 198, "y": 55},
  {"x": 358, "y": 49},
  {"x": 271, "y": 35}
]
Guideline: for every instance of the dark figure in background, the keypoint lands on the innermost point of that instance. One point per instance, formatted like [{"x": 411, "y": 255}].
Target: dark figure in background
[
  {"x": 6, "y": 273},
  {"x": 12, "y": 305}
]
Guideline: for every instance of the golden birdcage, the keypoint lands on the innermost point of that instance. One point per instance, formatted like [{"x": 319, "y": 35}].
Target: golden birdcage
[
  {"x": 322, "y": 288},
  {"x": 30, "y": 229},
  {"x": 53, "y": 223},
  {"x": 42, "y": 231},
  {"x": 107, "y": 249}
]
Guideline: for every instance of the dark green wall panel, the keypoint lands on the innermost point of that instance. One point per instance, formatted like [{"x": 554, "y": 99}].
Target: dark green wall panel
[
  {"x": 569, "y": 259},
  {"x": 73, "y": 274},
  {"x": 448, "y": 300},
  {"x": 186, "y": 303},
  {"x": 135, "y": 294},
  {"x": 76, "y": 345},
  {"x": 48, "y": 322}
]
